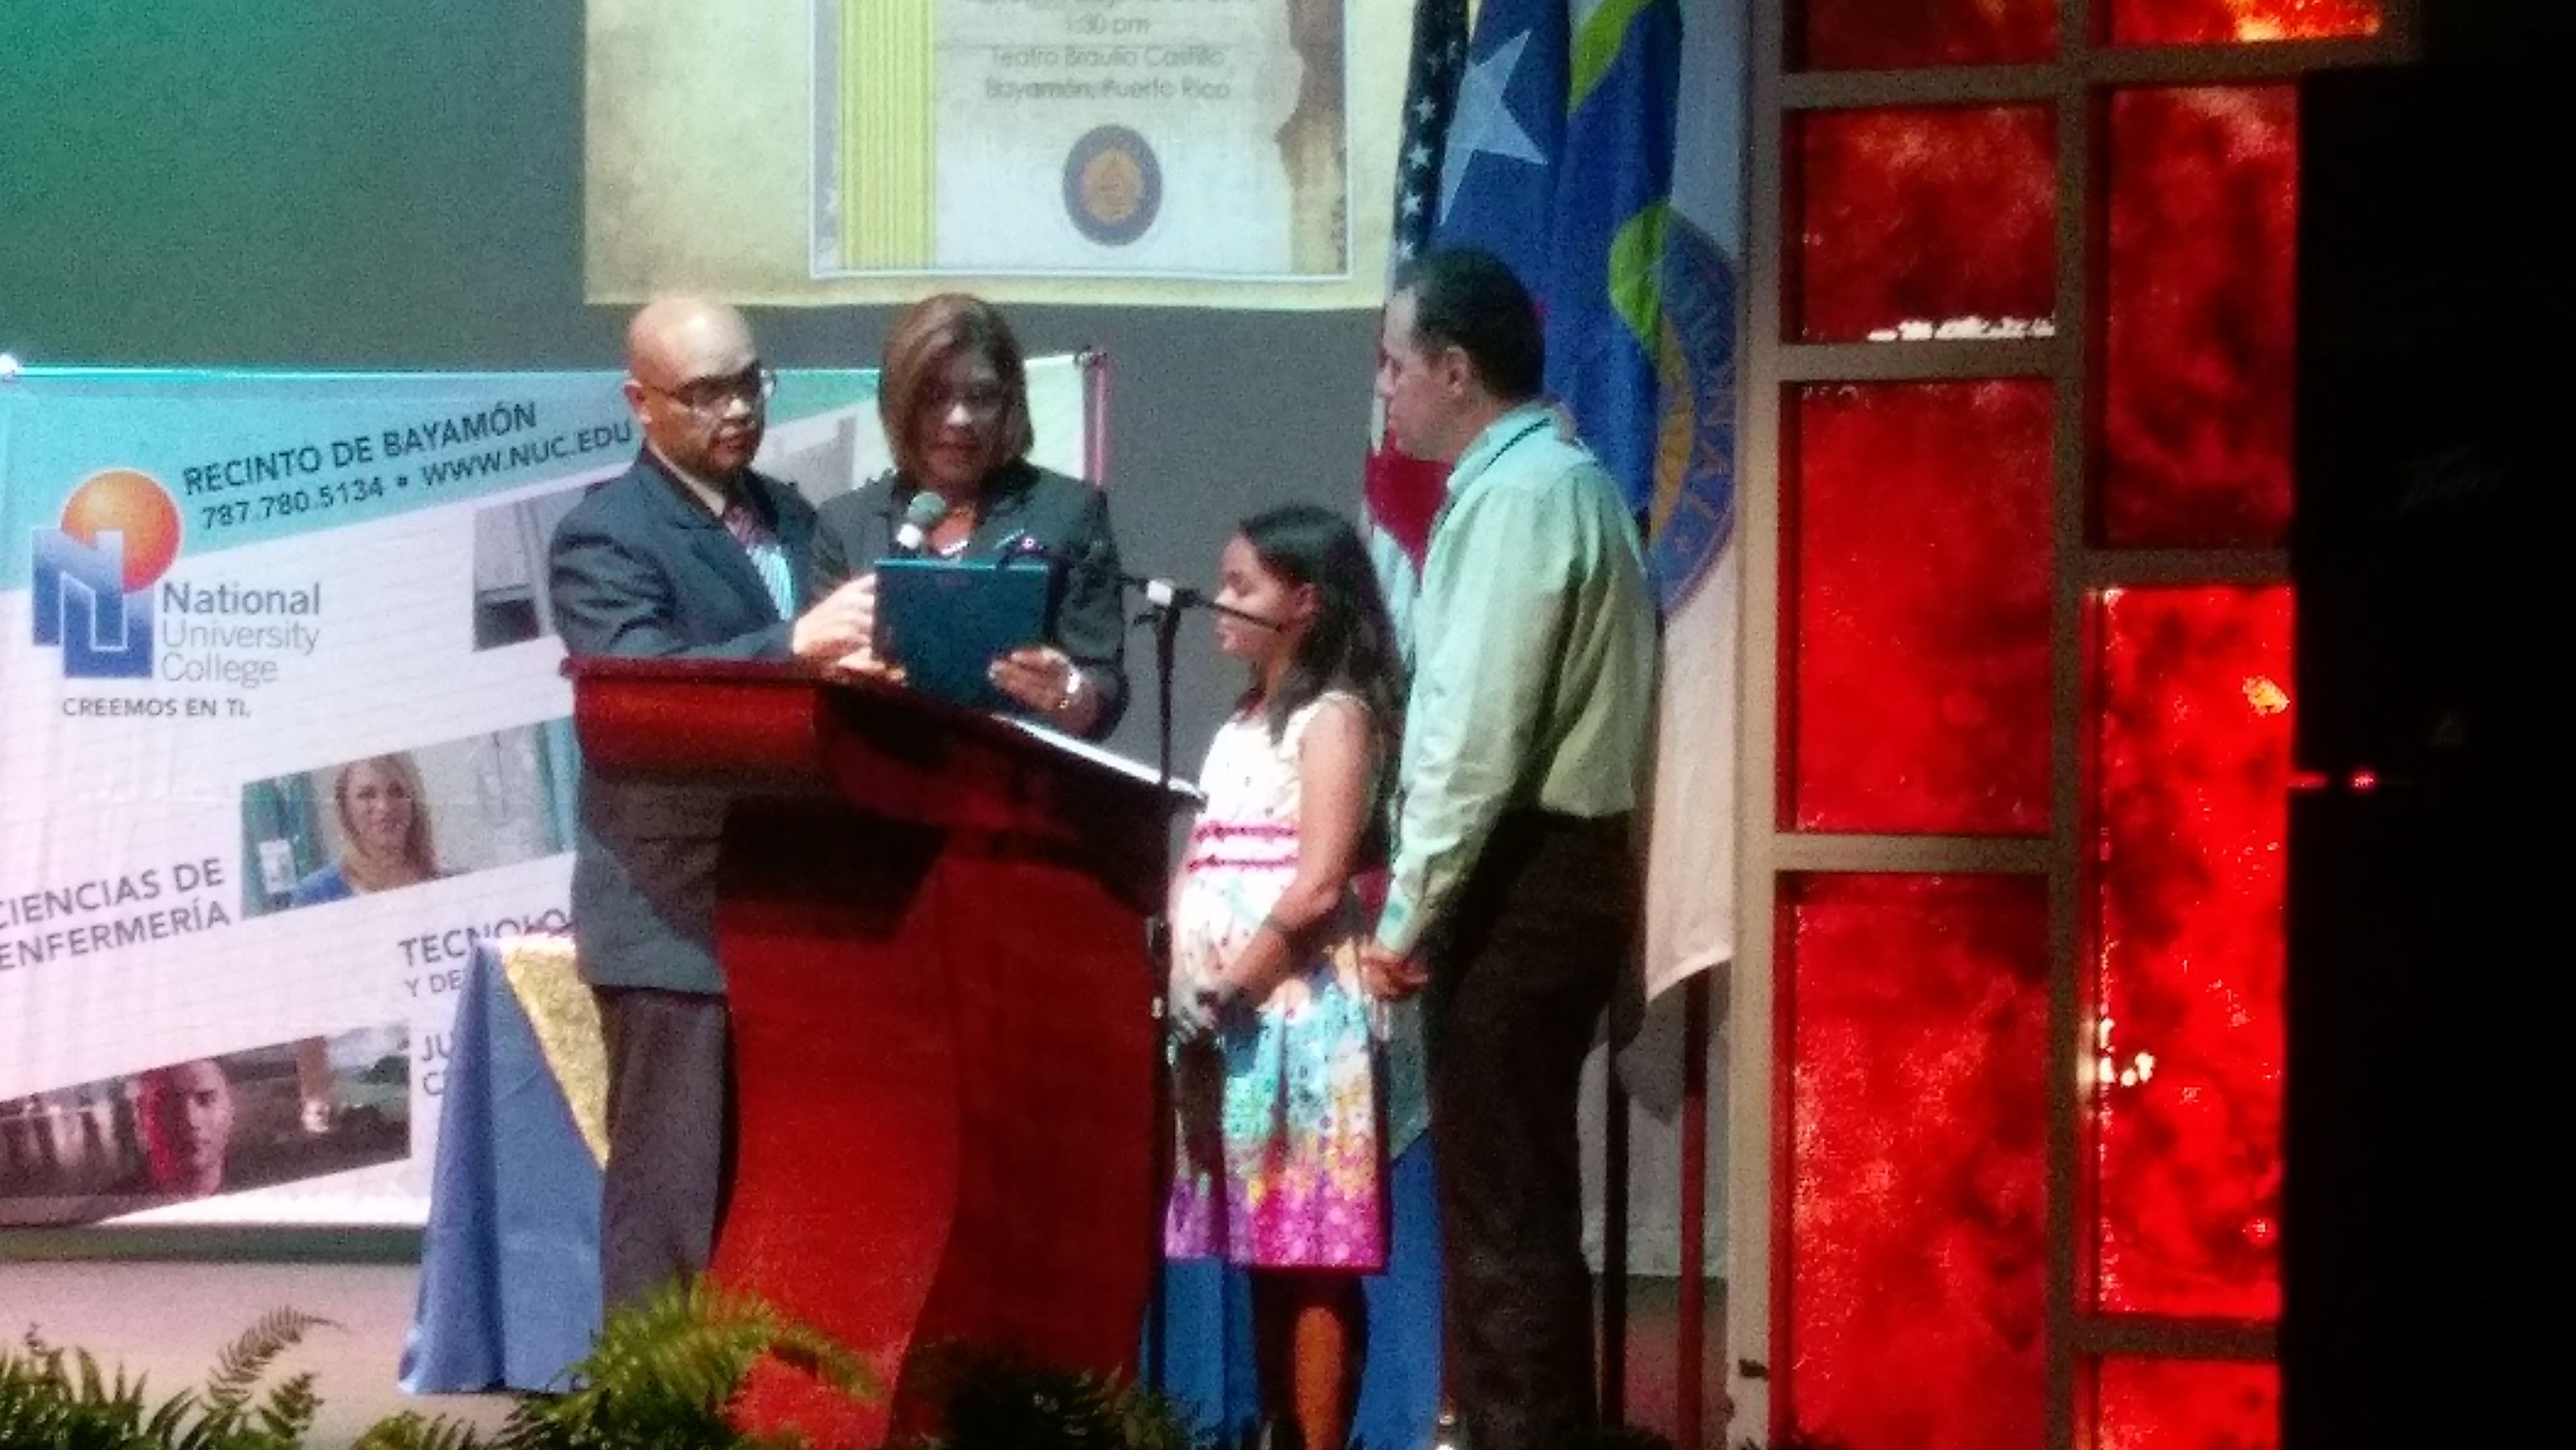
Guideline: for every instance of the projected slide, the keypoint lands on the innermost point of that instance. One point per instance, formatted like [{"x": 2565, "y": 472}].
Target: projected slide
[
  {"x": 1164, "y": 137},
  {"x": 1221, "y": 152}
]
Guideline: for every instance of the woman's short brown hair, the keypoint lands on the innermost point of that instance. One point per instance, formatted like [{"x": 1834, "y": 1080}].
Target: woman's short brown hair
[{"x": 923, "y": 340}]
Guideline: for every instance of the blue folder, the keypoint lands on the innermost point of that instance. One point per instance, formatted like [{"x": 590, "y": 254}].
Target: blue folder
[{"x": 945, "y": 622}]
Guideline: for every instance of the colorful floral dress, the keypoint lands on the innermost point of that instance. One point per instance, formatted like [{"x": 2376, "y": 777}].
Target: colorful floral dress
[{"x": 1280, "y": 1159}]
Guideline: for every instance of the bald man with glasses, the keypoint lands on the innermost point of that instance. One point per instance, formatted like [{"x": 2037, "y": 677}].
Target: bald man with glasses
[{"x": 689, "y": 554}]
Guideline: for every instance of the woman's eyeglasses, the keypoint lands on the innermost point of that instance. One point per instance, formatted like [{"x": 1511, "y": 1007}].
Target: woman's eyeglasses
[{"x": 981, "y": 400}]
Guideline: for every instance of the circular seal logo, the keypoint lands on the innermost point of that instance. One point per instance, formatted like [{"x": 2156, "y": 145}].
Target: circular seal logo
[
  {"x": 1113, "y": 186},
  {"x": 1694, "y": 507}
]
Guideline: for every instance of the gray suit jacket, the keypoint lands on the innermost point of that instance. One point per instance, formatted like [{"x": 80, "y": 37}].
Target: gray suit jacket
[{"x": 640, "y": 568}]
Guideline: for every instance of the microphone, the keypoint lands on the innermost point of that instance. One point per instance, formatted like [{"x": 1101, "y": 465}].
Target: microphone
[
  {"x": 1164, "y": 595},
  {"x": 919, "y": 518}
]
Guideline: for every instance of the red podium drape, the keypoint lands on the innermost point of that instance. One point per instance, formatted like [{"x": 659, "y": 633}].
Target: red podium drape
[{"x": 932, "y": 930}]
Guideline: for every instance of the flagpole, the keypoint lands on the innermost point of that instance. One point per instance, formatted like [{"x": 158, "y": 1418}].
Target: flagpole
[
  {"x": 1614, "y": 1244},
  {"x": 1691, "y": 1333}
]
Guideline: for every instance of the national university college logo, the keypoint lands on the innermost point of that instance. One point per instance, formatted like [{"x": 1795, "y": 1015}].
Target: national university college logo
[{"x": 94, "y": 574}]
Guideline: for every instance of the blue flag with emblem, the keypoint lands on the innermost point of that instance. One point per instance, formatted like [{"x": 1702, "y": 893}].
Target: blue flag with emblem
[
  {"x": 1613, "y": 182},
  {"x": 1559, "y": 161}
]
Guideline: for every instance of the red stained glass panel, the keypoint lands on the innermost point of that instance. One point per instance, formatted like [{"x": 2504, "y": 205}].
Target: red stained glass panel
[
  {"x": 1919, "y": 686},
  {"x": 2222, "y": 22},
  {"x": 2193, "y": 804},
  {"x": 1917, "y": 1220},
  {"x": 1898, "y": 34},
  {"x": 1925, "y": 223},
  {"x": 2175, "y": 1404},
  {"x": 2195, "y": 447}
]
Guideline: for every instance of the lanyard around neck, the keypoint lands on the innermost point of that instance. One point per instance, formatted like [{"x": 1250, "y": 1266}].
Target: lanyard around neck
[{"x": 1483, "y": 469}]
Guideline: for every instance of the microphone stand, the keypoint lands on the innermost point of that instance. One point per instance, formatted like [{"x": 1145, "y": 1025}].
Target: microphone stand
[
  {"x": 1163, "y": 611},
  {"x": 1165, "y": 603}
]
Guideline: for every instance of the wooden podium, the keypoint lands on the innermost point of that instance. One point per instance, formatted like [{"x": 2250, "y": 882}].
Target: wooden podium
[{"x": 932, "y": 929}]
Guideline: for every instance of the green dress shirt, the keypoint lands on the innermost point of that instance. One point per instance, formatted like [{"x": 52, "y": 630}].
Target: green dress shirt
[{"x": 1533, "y": 655}]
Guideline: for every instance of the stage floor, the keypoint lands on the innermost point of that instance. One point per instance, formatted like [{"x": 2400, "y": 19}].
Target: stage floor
[{"x": 167, "y": 1321}]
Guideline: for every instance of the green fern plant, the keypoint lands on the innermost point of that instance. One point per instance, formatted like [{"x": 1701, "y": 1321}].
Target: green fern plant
[
  {"x": 62, "y": 1399},
  {"x": 412, "y": 1430},
  {"x": 661, "y": 1376},
  {"x": 49, "y": 1397}
]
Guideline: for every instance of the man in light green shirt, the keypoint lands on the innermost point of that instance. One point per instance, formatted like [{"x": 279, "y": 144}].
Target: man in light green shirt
[{"x": 1513, "y": 898}]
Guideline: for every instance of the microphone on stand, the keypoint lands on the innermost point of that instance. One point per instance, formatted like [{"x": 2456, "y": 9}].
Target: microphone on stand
[
  {"x": 919, "y": 517},
  {"x": 1161, "y": 595},
  {"x": 1165, "y": 594}
]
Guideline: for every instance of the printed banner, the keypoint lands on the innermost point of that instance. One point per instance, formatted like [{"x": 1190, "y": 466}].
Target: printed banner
[{"x": 283, "y": 735}]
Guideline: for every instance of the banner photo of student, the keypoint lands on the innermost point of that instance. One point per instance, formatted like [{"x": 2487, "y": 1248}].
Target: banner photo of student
[
  {"x": 166, "y": 1144},
  {"x": 283, "y": 737}
]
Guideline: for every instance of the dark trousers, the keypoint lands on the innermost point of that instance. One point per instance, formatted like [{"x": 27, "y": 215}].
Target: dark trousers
[
  {"x": 1518, "y": 984},
  {"x": 670, "y": 1138}
]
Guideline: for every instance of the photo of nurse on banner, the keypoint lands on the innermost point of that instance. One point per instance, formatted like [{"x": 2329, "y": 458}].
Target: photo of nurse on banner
[
  {"x": 383, "y": 822},
  {"x": 206, "y": 1127}
]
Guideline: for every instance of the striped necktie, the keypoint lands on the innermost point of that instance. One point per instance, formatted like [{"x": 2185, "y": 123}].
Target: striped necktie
[{"x": 768, "y": 558}]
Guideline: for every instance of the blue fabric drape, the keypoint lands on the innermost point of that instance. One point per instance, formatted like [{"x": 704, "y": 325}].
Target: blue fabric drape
[{"x": 509, "y": 1271}]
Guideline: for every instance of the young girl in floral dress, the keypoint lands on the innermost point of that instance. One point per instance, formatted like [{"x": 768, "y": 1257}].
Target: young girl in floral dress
[{"x": 1277, "y": 1070}]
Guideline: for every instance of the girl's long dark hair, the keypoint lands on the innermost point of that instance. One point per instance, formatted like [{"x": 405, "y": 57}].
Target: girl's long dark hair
[{"x": 1350, "y": 643}]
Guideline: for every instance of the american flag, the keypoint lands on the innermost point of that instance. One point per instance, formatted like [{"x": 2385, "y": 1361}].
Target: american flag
[
  {"x": 1430, "y": 95},
  {"x": 1403, "y": 494}
]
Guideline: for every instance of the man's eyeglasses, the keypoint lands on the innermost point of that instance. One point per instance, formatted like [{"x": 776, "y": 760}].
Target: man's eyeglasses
[{"x": 709, "y": 397}]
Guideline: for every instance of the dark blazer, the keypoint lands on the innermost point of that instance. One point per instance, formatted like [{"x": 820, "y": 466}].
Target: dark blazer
[
  {"x": 1086, "y": 614},
  {"x": 640, "y": 568}
]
